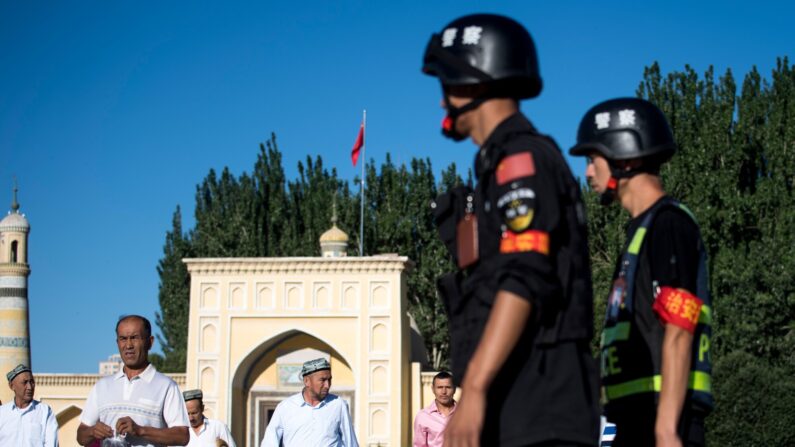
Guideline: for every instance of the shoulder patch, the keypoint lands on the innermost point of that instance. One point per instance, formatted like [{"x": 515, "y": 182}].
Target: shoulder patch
[
  {"x": 515, "y": 166},
  {"x": 517, "y": 207}
]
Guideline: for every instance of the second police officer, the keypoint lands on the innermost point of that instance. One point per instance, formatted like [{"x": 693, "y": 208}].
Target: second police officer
[
  {"x": 655, "y": 345},
  {"x": 520, "y": 305}
]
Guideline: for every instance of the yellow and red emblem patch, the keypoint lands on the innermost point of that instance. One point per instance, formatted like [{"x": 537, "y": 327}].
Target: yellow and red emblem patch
[
  {"x": 533, "y": 240},
  {"x": 517, "y": 208}
]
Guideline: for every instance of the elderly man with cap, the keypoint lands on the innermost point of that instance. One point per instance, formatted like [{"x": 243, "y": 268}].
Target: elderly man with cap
[
  {"x": 25, "y": 421},
  {"x": 204, "y": 432},
  {"x": 313, "y": 417}
]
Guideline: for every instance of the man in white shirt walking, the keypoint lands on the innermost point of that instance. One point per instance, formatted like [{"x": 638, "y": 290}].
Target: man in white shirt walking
[
  {"x": 138, "y": 403},
  {"x": 204, "y": 432},
  {"x": 313, "y": 417},
  {"x": 26, "y": 422}
]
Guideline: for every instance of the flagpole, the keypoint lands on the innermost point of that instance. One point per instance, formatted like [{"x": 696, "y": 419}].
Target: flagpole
[{"x": 361, "y": 201}]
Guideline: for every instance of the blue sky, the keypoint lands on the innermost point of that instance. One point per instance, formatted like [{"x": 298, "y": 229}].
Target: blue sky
[{"x": 112, "y": 112}]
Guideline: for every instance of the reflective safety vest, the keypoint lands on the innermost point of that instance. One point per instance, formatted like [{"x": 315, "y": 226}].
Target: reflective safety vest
[{"x": 631, "y": 352}]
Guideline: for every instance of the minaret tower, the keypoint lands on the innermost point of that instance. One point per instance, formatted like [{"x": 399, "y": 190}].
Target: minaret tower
[{"x": 14, "y": 271}]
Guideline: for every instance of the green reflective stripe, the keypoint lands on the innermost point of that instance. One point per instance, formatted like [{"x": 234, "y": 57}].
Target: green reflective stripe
[
  {"x": 699, "y": 381},
  {"x": 705, "y": 316},
  {"x": 690, "y": 213},
  {"x": 637, "y": 241},
  {"x": 619, "y": 332},
  {"x": 642, "y": 385}
]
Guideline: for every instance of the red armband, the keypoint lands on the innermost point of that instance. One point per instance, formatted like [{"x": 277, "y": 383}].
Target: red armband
[
  {"x": 531, "y": 240},
  {"x": 678, "y": 307}
]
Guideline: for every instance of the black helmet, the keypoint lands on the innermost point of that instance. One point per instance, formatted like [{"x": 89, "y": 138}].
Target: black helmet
[
  {"x": 625, "y": 129},
  {"x": 485, "y": 49}
]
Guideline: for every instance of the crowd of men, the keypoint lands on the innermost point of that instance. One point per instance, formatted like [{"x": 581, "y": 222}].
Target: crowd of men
[
  {"x": 519, "y": 305},
  {"x": 141, "y": 407}
]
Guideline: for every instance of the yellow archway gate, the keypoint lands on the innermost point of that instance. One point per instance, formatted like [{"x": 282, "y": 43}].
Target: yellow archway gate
[
  {"x": 252, "y": 319},
  {"x": 272, "y": 372}
]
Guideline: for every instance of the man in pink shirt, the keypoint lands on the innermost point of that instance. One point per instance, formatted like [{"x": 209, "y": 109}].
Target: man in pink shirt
[{"x": 431, "y": 420}]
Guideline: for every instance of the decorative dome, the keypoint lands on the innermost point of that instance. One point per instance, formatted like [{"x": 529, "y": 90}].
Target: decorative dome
[
  {"x": 334, "y": 235},
  {"x": 334, "y": 242},
  {"x": 14, "y": 222}
]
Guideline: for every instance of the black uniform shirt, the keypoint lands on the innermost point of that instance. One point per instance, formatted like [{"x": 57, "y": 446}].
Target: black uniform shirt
[
  {"x": 531, "y": 229},
  {"x": 532, "y": 242},
  {"x": 672, "y": 248},
  {"x": 669, "y": 257}
]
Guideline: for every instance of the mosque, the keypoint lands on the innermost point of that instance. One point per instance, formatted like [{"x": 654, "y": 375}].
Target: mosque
[{"x": 252, "y": 323}]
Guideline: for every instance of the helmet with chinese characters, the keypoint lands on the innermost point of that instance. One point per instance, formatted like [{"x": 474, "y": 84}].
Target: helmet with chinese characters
[
  {"x": 485, "y": 49},
  {"x": 625, "y": 129}
]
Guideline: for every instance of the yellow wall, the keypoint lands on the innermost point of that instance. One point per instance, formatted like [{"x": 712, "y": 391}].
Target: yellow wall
[{"x": 244, "y": 310}]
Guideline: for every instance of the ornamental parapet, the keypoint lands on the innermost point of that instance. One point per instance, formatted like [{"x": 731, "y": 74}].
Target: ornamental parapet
[
  {"x": 84, "y": 380},
  {"x": 427, "y": 379},
  {"x": 14, "y": 228},
  {"x": 248, "y": 266},
  {"x": 14, "y": 269}
]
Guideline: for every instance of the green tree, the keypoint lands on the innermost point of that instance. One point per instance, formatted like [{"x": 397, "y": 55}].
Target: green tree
[
  {"x": 432, "y": 260},
  {"x": 227, "y": 221},
  {"x": 271, "y": 197},
  {"x": 174, "y": 297}
]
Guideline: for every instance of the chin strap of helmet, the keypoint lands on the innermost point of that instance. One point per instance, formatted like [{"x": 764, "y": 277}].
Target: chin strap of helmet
[
  {"x": 607, "y": 197},
  {"x": 448, "y": 123},
  {"x": 616, "y": 174}
]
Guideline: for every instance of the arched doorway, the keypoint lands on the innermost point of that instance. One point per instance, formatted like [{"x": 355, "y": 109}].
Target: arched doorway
[
  {"x": 271, "y": 372},
  {"x": 68, "y": 420}
]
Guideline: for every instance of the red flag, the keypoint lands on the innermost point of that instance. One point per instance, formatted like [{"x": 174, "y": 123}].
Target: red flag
[{"x": 357, "y": 146}]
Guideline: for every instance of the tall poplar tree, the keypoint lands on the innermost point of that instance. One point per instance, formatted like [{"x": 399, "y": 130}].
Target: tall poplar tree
[{"x": 174, "y": 297}]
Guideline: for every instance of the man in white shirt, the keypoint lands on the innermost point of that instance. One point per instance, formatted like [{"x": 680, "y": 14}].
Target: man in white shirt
[
  {"x": 204, "y": 432},
  {"x": 138, "y": 403},
  {"x": 313, "y": 417},
  {"x": 26, "y": 422}
]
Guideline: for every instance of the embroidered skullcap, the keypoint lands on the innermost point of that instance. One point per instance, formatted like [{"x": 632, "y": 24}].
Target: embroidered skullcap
[
  {"x": 314, "y": 366},
  {"x": 17, "y": 371},
  {"x": 192, "y": 394}
]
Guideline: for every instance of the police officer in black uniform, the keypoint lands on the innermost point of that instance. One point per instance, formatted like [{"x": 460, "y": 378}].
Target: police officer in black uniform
[
  {"x": 520, "y": 306},
  {"x": 655, "y": 345}
]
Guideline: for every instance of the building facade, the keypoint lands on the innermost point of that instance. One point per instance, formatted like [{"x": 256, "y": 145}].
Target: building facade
[
  {"x": 254, "y": 321},
  {"x": 110, "y": 366}
]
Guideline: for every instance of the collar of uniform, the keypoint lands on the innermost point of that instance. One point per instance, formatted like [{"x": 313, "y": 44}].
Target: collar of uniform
[
  {"x": 146, "y": 376},
  {"x": 635, "y": 221},
  {"x": 489, "y": 152}
]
